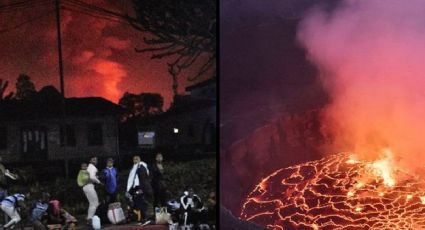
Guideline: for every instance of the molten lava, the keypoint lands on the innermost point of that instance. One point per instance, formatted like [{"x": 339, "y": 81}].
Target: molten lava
[{"x": 338, "y": 192}]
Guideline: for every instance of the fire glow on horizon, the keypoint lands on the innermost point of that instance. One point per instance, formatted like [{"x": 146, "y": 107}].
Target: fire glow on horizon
[{"x": 99, "y": 56}]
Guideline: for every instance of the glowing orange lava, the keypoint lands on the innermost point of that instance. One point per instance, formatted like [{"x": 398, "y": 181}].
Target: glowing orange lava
[{"x": 338, "y": 192}]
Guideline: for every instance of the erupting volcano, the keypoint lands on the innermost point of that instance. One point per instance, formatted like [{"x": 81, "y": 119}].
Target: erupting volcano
[
  {"x": 338, "y": 192},
  {"x": 369, "y": 56}
]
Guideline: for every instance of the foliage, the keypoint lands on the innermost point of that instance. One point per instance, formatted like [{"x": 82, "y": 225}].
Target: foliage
[
  {"x": 184, "y": 31},
  {"x": 200, "y": 175},
  {"x": 25, "y": 88},
  {"x": 141, "y": 105}
]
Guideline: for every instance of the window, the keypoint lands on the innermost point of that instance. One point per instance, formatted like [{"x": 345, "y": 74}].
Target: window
[
  {"x": 146, "y": 138},
  {"x": 3, "y": 138},
  {"x": 94, "y": 134},
  {"x": 34, "y": 142},
  {"x": 68, "y": 138}
]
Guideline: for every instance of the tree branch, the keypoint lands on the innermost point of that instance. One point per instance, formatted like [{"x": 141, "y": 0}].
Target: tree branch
[
  {"x": 154, "y": 49},
  {"x": 168, "y": 53}
]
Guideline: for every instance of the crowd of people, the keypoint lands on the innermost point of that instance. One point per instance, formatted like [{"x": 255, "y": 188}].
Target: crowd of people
[
  {"x": 145, "y": 193},
  {"x": 139, "y": 189}
]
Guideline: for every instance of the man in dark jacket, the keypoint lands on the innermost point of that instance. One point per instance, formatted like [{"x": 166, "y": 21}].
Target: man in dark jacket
[
  {"x": 139, "y": 181},
  {"x": 158, "y": 181}
]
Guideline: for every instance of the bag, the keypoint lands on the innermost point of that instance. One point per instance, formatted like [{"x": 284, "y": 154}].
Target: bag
[
  {"x": 134, "y": 215},
  {"x": 54, "y": 226},
  {"x": 115, "y": 213},
  {"x": 163, "y": 217},
  {"x": 83, "y": 178},
  {"x": 173, "y": 226},
  {"x": 96, "y": 223}
]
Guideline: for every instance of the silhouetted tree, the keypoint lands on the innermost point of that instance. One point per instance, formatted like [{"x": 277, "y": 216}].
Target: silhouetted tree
[
  {"x": 141, "y": 105},
  {"x": 183, "y": 31},
  {"x": 25, "y": 88},
  {"x": 151, "y": 103}
]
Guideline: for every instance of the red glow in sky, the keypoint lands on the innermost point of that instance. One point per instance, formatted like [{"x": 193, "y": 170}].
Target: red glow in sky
[{"x": 99, "y": 56}]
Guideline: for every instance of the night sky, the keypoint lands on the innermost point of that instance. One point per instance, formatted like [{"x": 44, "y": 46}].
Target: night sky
[{"x": 99, "y": 56}]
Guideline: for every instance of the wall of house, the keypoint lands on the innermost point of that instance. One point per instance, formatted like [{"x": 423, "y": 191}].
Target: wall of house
[
  {"x": 191, "y": 126},
  {"x": 82, "y": 148},
  {"x": 14, "y": 151},
  {"x": 11, "y": 153}
]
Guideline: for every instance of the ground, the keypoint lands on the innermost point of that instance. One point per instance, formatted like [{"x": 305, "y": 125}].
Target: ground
[{"x": 131, "y": 226}]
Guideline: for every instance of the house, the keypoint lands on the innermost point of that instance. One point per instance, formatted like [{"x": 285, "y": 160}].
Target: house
[
  {"x": 35, "y": 130},
  {"x": 190, "y": 121}
]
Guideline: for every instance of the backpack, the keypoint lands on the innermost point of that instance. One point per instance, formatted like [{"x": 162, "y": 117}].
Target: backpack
[{"x": 83, "y": 178}]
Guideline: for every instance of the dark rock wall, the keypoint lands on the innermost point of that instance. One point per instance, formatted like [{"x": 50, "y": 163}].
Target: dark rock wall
[{"x": 288, "y": 140}]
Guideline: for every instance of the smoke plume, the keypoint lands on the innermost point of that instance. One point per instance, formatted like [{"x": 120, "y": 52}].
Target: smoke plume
[{"x": 371, "y": 55}]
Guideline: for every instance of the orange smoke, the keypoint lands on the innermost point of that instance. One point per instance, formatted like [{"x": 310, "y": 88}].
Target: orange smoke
[
  {"x": 371, "y": 58},
  {"x": 112, "y": 74}
]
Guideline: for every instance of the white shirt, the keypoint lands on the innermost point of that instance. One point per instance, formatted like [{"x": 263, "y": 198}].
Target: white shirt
[
  {"x": 133, "y": 178},
  {"x": 92, "y": 172}
]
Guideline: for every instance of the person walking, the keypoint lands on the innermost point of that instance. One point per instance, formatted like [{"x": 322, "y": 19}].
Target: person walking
[
  {"x": 90, "y": 191},
  {"x": 10, "y": 206},
  {"x": 158, "y": 182},
  {"x": 110, "y": 173},
  {"x": 138, "y": 183}
]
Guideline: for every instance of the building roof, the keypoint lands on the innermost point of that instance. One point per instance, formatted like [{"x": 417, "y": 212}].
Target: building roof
[
  {"x": 194, "y": 105},
  {"x": 201, "y": 84},
  {"x": 191, "y": 105},
  {"x": 42, "y": 109}
]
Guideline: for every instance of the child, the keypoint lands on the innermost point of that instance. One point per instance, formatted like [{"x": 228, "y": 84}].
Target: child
[
  {"x": 39, "y": 211},
  {"x": 110, "y": 174},
  {"x": 83, "y": 175},
  {"x": 10, "y": 206}
]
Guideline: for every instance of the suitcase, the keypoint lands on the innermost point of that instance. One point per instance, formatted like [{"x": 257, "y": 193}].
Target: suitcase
[{"x": 115, "y": 213}]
